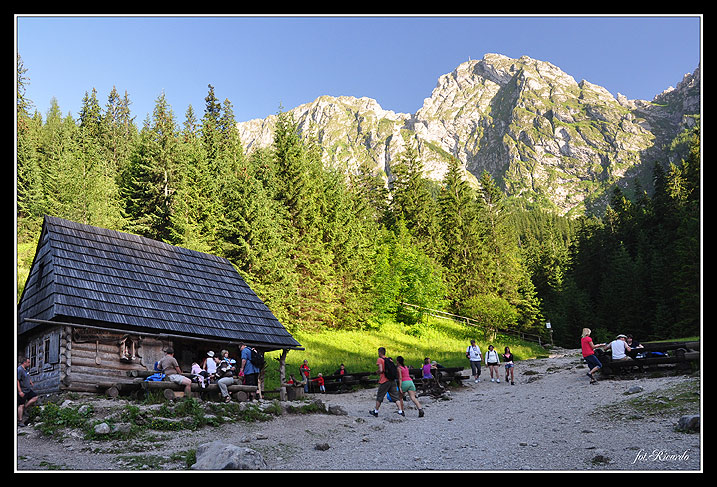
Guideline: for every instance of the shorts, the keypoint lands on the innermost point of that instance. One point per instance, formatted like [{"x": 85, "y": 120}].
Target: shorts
[
  {"x": 26, "y": 397},
  {"x": 179, "y": 379},
  {"x": 508, "y": 366},
  {"x": 492, "y": 364},
  {"x": 251, "y": 379},
  {"x": 592, "y": 361},
  {"x": 387, "y": 387},
  {"x": 408, "y": 385}
]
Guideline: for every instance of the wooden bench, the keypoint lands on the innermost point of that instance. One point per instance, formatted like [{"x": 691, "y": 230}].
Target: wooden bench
[
  {"x": 334, "y": 383},
  {"x": 679, "y": 354}
]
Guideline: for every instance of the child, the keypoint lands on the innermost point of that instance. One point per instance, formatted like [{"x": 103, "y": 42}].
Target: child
[
  {"x": 320, "y": 380},
  {"x": 508, "y": 359},
  {"x": 197, "y": 374}
]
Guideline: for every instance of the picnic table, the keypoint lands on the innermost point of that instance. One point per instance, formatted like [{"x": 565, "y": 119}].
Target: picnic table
[{"x": 673, "y": 353}]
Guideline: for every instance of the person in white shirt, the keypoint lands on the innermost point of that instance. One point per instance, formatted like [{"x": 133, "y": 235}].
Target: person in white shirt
[
  {"x": 474, "y": 356},
  {"x": 492, "y": 360},
  {"x": 619, "y": 348}
]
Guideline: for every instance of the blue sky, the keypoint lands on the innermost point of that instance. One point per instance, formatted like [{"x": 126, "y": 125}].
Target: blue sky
[{"x": 262, "y": 63}]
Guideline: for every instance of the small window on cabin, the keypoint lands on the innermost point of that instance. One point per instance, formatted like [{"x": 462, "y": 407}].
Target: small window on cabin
[{"x": 32, "y": 355}]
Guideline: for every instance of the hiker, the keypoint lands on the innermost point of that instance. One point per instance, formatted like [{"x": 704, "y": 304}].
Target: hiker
[
  {"x": 170, "y": 368},
  {"x": 508, "y": 361},
  {"x": 341, "y": 372},
  {"x": 247, "y": 369},
  {"x": 492, "y": 360},
  {"x": 405, "y": 384},
  {"x": 387, "y": 383},
  {"x": 588, "y": 349},
  {"x": 26, "y": 397},
  {"x": 305, "y": 373},
  {"x": 209, "y": 367},
  {"x": 619, "y": 348},
  {"x": 225, "y": 377},
  {"x": 225, "y": 356},
  {"x": 197, "y": 375},
  {"x": 634, "y": 347},
  {"x": 474, "y": 356}
]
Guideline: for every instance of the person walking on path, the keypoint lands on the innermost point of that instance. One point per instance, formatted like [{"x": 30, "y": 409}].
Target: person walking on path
[
  {"x": 386, "y": 383},
  {"x": 405, "y": 384},
  {"x": 474, "y": 356},
  {"x": 588, "y": 349},
  {"x": 492, "y": 360},
  {"x": 508, "y": 361},
  {"x": 26, "y": 397}
]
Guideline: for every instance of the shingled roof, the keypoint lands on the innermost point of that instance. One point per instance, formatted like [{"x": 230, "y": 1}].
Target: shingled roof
[{"x": 90, "y": 275}]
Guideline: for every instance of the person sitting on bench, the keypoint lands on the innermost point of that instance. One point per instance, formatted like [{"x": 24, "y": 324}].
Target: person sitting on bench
[{"x": 620, "y": 349}]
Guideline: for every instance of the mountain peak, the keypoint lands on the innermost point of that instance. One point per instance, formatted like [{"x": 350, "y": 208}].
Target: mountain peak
[{"x": 539, "y": 133}]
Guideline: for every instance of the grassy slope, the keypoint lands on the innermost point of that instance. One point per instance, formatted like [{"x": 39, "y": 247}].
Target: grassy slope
[{"x": 442, "y": 340}]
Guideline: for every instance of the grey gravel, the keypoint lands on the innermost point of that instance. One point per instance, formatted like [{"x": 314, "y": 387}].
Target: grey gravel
[{"x": 544, "y": 422}]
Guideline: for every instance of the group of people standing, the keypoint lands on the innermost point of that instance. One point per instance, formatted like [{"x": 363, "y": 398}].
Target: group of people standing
[
  {"x": 492, "y": 361},
  {"x": 623, "y": 347}
]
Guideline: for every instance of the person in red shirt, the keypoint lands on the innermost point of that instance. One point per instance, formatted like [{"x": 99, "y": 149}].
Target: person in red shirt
[
  {"x": 305, "y": 373},
  {"x": 320, "y": 380},
  {"x": 588, "y": 348},
  {"x": 386, "y": 386}
]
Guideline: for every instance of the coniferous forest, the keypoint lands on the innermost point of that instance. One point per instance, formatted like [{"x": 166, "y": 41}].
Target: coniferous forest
[{"x": 325, "y": 249}]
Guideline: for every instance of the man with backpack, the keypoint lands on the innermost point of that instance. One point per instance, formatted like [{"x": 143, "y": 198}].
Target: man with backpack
[
  {"x": 388, "y": 374},
  {"x": 249, "y": 370}
]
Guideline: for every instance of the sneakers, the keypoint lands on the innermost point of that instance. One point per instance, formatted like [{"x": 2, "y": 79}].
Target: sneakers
[
  {"x": 373, "y": 413},
  {"x": 402, "y": 413},
  {"x": 420, "y": 413}
]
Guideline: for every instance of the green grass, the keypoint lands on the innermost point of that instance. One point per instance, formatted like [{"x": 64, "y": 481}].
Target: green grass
[{"x": 442, "y": 340}]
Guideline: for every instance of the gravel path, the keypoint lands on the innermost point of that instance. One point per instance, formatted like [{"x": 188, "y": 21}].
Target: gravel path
[{"x": 552, "y": 419}]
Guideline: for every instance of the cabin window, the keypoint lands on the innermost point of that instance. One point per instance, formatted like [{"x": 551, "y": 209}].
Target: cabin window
[
  {"x": 32, "y": 355},
  {"x": 51, "y": 347}
]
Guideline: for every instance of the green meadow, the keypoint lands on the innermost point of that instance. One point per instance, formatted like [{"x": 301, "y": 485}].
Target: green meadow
[{"x": 439, "y": 339}]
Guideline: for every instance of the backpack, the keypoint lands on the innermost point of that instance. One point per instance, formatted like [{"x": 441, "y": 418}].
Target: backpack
[
  {"x": 389, "y": 369},
  {"x": 257, "y": 359}
]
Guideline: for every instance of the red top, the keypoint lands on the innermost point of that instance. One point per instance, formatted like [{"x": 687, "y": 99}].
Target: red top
[
  {"x": 382, "y": 378},
  {"x": 585, "y": 344}
]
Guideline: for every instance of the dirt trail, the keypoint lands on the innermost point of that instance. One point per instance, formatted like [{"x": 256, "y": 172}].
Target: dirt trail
[{"x": 552, "y": 419}]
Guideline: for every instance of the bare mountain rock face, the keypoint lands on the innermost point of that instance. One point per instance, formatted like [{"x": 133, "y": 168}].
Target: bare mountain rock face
[{"x": 542, "y": 136}]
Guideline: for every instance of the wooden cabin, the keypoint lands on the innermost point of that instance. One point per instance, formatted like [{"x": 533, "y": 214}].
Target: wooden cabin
[{"x": 101, "y": 304}]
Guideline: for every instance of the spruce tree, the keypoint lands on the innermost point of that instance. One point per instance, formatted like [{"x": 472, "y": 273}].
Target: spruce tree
[
  {"x": 460, "y": 233},
  {"x": 150, "y": 182}
]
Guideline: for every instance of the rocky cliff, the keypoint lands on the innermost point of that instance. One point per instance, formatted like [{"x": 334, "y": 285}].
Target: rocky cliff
[{"x": 540, "y": 134}]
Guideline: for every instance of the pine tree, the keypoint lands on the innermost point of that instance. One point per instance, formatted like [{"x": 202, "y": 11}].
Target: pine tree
[
  {"x": 413, "y": 202},
  {"x": 150, "y": 182},
  {"x": 460, "y": 233}
]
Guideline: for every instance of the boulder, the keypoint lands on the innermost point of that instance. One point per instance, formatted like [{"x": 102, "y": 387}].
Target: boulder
[
  {"x": 689, "y": 423},
  {"x": 219, "y": 455}
]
